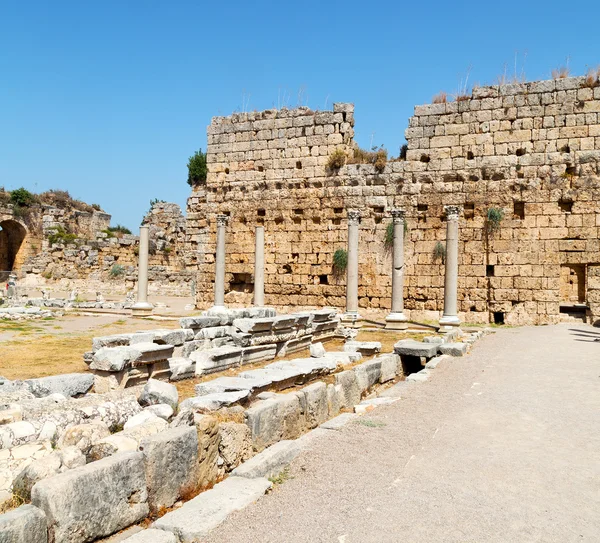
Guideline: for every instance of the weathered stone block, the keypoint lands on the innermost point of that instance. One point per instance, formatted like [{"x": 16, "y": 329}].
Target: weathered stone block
[
  {"x": 26, "y": 524},
  {"x": 118, "y": 487},
  {"x": 235, "y": 446},
  {"x": 368, "y": 374},
  {"x": 410, "y": 347},
  {"x": 156, "y": 392},
  {"x": 69, "y": 384},
  {"x": 315, "y": 404},
  {"x": 216, "y": 359},
  {"x": 351, "y": 391},
  {"x": 171, "y": 463},
  {"x": 269, "y": 462},
  {"x": 454, "y": 349}
]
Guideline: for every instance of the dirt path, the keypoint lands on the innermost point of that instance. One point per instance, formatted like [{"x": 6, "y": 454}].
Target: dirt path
[{"x": 499, "y": 446}]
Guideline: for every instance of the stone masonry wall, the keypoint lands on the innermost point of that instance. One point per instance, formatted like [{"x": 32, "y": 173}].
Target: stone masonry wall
[{"x": 531, "y": 149}]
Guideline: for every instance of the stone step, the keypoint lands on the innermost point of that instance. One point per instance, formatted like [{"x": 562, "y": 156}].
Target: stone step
[
  {"x": 410, "y": 347},
  {"x": 197, "y": 517},
  {"x": 230, "y": 384},
  {"x": 270, "y": 462}
]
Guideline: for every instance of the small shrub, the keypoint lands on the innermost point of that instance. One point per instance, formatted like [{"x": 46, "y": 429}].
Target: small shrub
[
  {"x": 22, "y": 197},
  {"x": 377, "y": 157},
  {"x": 493, "y": 218},
  {"x": 116, "y": 271},
  {"x": 592, "y": 78},
  {"x": 340, "y": 261},
  {"x": 96, "y": 207},
  {"x": 439, "y": 252},
  {"x": 462, "y": 97},
  {"x": 117, "y": 231},
  {"x": 561, "y": 73},
  {"x": 61, "y": 236},
  {"x": 389, "y": 236},
  {"x": 440, "y": 98},
  {"x": 380, "y": 160},
  {"x": 197, "y": 169},
  {"x": 403, "y": 151},
  {"x": 336, "y": 160}
]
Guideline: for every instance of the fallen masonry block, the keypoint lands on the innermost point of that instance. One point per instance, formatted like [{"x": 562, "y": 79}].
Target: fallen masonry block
[
  {"x": 171, "y": 463},
  {"x": 324, "y": 314},
  {"x": 304, "y": 319},
  {"x": 196, "y": 323},
  {"x": 368, "y": 374},
  {"x": 317, "y": 350},
  {"x": 366, "y": 348},
  {"x": 390, "y": 367},
  {"x": 230, "y": 384},
  {"x": 152, "y": 536},
  {"x": 284, "y": 322},
  {"x": 181, "y": 368},
  {"x": 215, "y": 332},
  {"x": 217, "y": 400},
  {"x": 433, "y": 339},
  {"x": 13, "y": 460},
  {"x": 217, "y": 359},
  {"x": 434, "y": 362},
  {"x": 270, "y": 462},
  {"x": 351, "y": 391},
  {"x": 320, "y": 327},
  {"x": 155, "y": 392},
  {"x": 173, "y": 337},
  {"x": 197, "y": 517},
  {"x": 118, "y": 487},
  {"x": 258, "y": 353},
  {"x": 251, "y": 326},
  {"x": 118, "y": 358},
  {"x": 120, "y": 340},
  {"x": 162, "y": 410},
  {"x": 69, "y": 384},
  {"x": 454, "y": 349},
  {"x": 410, "y": 347},
  {"x": 419, "y": 377},
  {"x": 343, "y": 358},
  {"x": 26, "y": 524},
  {"x": 141, "y": 418},
  {"x": 280, "y": 378},
  {"x": 191, "y": 346},
  {"x": 293, "y": 345}
]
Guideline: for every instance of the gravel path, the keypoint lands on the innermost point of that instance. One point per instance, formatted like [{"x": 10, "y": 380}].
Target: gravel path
[{"x": 502, "y": 445}]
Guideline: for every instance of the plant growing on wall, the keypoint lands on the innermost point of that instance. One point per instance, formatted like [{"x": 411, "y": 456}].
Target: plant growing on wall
[
  {"x": 493, "y": 218},
  {"x": 336, "y": 160},
  {"x": 60, "y": 235},
  {"x": 197, "y": 169},
  {"x": 340, "y": 261},
  {"x": 116, "y": 271},
  {"x": 439, "y": 252},
  {"x": 388, "y": 241}
]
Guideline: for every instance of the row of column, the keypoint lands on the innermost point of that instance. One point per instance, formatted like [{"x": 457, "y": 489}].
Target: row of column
[{"x": 396, "y": 319}]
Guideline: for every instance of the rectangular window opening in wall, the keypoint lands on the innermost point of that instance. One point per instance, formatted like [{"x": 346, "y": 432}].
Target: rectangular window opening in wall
[
  {"x": 261, "y": 212},
  {"x": 469, "y": 210},
  {"x": 421, "y": 208},
  {"x": 323, "y": 279},
  {"x": 572, "y": 283},
  {"x": 498, "y": 317},
  {"x": 336, "y": 221},
  {"x": 489, "y": 270},
  {"x": 338, "y": 210},
  {"x": 519, "y": 210},
  {"x": 297, "y": 220},
  {"x": 298, "y": 211},
  {"x": 565, "y": 205},
  {"x": 378, "y": 209}
]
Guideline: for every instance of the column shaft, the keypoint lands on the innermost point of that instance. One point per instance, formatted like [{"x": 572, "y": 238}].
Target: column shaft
[
  {"x": 396, "y": 319},
  {"x": 352, "y": 265},
  {"x": 450, "y": 316},
  {"x": 142, "y": 306},
  {"x": 259, "y": 267},
  {"x": 220, "y": 262}
]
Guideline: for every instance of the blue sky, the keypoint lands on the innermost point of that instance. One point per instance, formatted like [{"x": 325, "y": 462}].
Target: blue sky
[{"x": 109, "y": 99}]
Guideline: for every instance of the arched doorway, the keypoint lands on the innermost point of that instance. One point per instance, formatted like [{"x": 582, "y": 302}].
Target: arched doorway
[{"x": 12, "y": 236}]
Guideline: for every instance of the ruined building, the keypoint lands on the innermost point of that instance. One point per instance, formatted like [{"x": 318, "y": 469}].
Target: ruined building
[{"x": 522, "y": 160}]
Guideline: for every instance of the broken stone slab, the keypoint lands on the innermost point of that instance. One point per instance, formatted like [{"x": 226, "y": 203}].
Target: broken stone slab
[
  {"x": 83, "y": 436},
  {"x": 317, "y": 350},
  {"x": 216, "y": 332},
  {"x": 140, "y": 418},
  {"x": 419, "y": 377},
  {"x": 270, "y": 462},
  {"x": 118, "y": 487},
  {"x": 338, "y": 422},
  {"x": 194, "y": 345},
  {"x": 162, "y": 410},
  {"x": 368, "y": 374},
  {"x": 326, "y": 326},
  {"x": 230, "y": 384},
  {"x": 152, "y": 536},
  {"x": 13, "y": 460},
  {"x": 217, "y": 359},
  {"x": 325, "y": 314},
  {"x": 280, "y": 377},
  {"x": 120, "y": 340},
  {"x": 171, "y": 463},
  {"x": 284, "y": 322},
  {"x": 173, "y": 337},
  {"x": 196, "y": 323},
  {"x": 366, "y": 348},
  {"x": 351, "y": 391},
  {"x": 69, "y": 384},
  {"x": 181, "y": 368},
  {"x": 26, "y": 524},
  {"x": 344, "y": 358},
  {"x": 410, "y": 347},
  {"x": 197, "y": 517},
  {"x": 304, "y": 319},
  {"x": 454, "y": 349},
  {"x": 235, "y": 445},
  {"x": 117, "y": 358},
  {"x": 434, "y": 362},
  {"x": 258, "y": 353},
  {"x": 315, "y": 403},
  {"x": 293, "y": 345},
  {"x": 433, "y": 339},
  {"x": 251, "y": 326},
  {"x": 155, "y": 392},
  {"x": 215, "y": 401}
]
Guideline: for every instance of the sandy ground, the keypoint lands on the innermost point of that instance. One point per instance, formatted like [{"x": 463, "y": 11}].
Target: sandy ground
[{"x": 501, "y": 445}]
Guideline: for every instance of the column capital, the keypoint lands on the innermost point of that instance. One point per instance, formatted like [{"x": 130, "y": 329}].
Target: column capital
[
  {"x": 398, "y": 214},
  {"x": 452, "y": 212},
  {"x": 222, "y": 219},
  {"x": 353, "y": 216}
]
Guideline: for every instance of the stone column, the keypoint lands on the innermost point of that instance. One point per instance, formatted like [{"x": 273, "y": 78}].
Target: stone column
[
  {"x": 396, "y": 320},
  {"x": 351, "y": 316},
  {"x": 450, "y": 316},
  {"x": 259, "y": 267},
  {"x": 222, "y": 221},
  {"x": 142, "y": 306}
]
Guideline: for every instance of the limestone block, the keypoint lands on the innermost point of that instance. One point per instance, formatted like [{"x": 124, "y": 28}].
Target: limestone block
[
  {"x": 119, "y": 492},
  {"x": 140, "y": 418},
  {"x": 216, "y": 359},
  {"x": 270, "y": 462},
  {"x": 258, "y": 353},
  {"x": 335, "y": 399},
  {"x": 209, "y": 440},
  {"x": 351, "y": 390},
  {"x": 173, "y": 337},
  {"x": 214, "y": 401},
  {"x": 196, "y": 323},
  {"x": 229, "y": 384},
  {"x": 152, "y": 536},
  {"x": 410, "y": 347},
  {"x": 171, "y": 463},
  {"x": 315, "y": 404},
  {"x": 26, "y": 524},
  {"x": 83, "y": 436},
  {"x": 191, "y": 346},
  {"x": 117, "y": 358},
  {"x": 162, "y": 410},
  {"x": 389, "y": 367},
  {"x": 250, "y": 326},
  {"x": 368, "y": 374},
  {"x": 181, "y": 368},
  {"x": 70, "y": 384},
  {"x": 418, "y": 377},
  {"x": 235, "y": 445},
  {"x": 156, "y": 392},
  {"x": 366, "y": 348},
  {"x": 196, "y": 518},
  {"x": 454, "y": 349},
  {"x": 214, "y": 332},
  {"x": 317, "y": 350}
]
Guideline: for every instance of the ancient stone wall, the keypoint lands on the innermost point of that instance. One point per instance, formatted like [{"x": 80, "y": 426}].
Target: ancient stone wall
[{"x": 530, "y": 150}]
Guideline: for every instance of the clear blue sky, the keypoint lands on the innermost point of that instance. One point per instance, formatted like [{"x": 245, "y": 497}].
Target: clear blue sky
[{"x": 108, "y": 99}]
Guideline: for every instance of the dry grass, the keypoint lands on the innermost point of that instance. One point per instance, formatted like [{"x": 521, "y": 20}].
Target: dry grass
[
  {"x": 592, "y": 78},
  {"x": 336, "y": 160},
  {"x": 440, "y": 98},
  {"x": 561, "y": 73},
  {"x": 462, "y": 97},
  {"x": 377, "y": 158}
]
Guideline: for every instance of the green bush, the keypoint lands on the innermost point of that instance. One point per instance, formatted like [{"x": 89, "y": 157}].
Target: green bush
[
  {"x": 197, "y": 169},
  {"x": 493, "y": 218},
  {"x": 119, "y": 229},
  {"x": 22, "y": 197},
  {"x": 61, "y": 236},
  {"x": 439, "y": 252},
  {"x": 117, "y": 270},
  {"x": 389, "y": 235},
  {"x": 340, "y": 261}
]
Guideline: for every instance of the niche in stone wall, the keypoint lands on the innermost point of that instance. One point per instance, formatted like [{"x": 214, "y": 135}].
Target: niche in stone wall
[
  {"x": 469, "y": 210},
  {"x": 565, "y": 205},
  {"x": 572, "y": 283},
  {"x": 241, "y": 282},
  {"x": 519, "y": 210}
]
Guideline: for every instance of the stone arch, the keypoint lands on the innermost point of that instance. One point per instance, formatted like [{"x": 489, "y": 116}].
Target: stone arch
[{"x": 12, "y": 245}]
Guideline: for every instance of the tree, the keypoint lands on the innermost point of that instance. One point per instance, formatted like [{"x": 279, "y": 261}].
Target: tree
[
  {"x": 197, "y": 169},
  {"x": 22, "y": 197}
]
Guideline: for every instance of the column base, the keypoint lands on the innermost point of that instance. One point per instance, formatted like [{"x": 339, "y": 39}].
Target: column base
[
  {"x": 449, "y": 321},
  {"x": 396, "y": 321},
  {"x": 351, "y": 320},
  {"x": 142, "y": 309}
]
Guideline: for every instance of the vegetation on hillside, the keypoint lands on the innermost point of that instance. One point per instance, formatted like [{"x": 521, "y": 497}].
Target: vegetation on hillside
[{"x": 197, "y": 169}]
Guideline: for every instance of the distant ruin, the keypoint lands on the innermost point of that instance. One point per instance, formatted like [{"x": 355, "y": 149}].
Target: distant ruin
[{"x": 522, "y": 161}]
